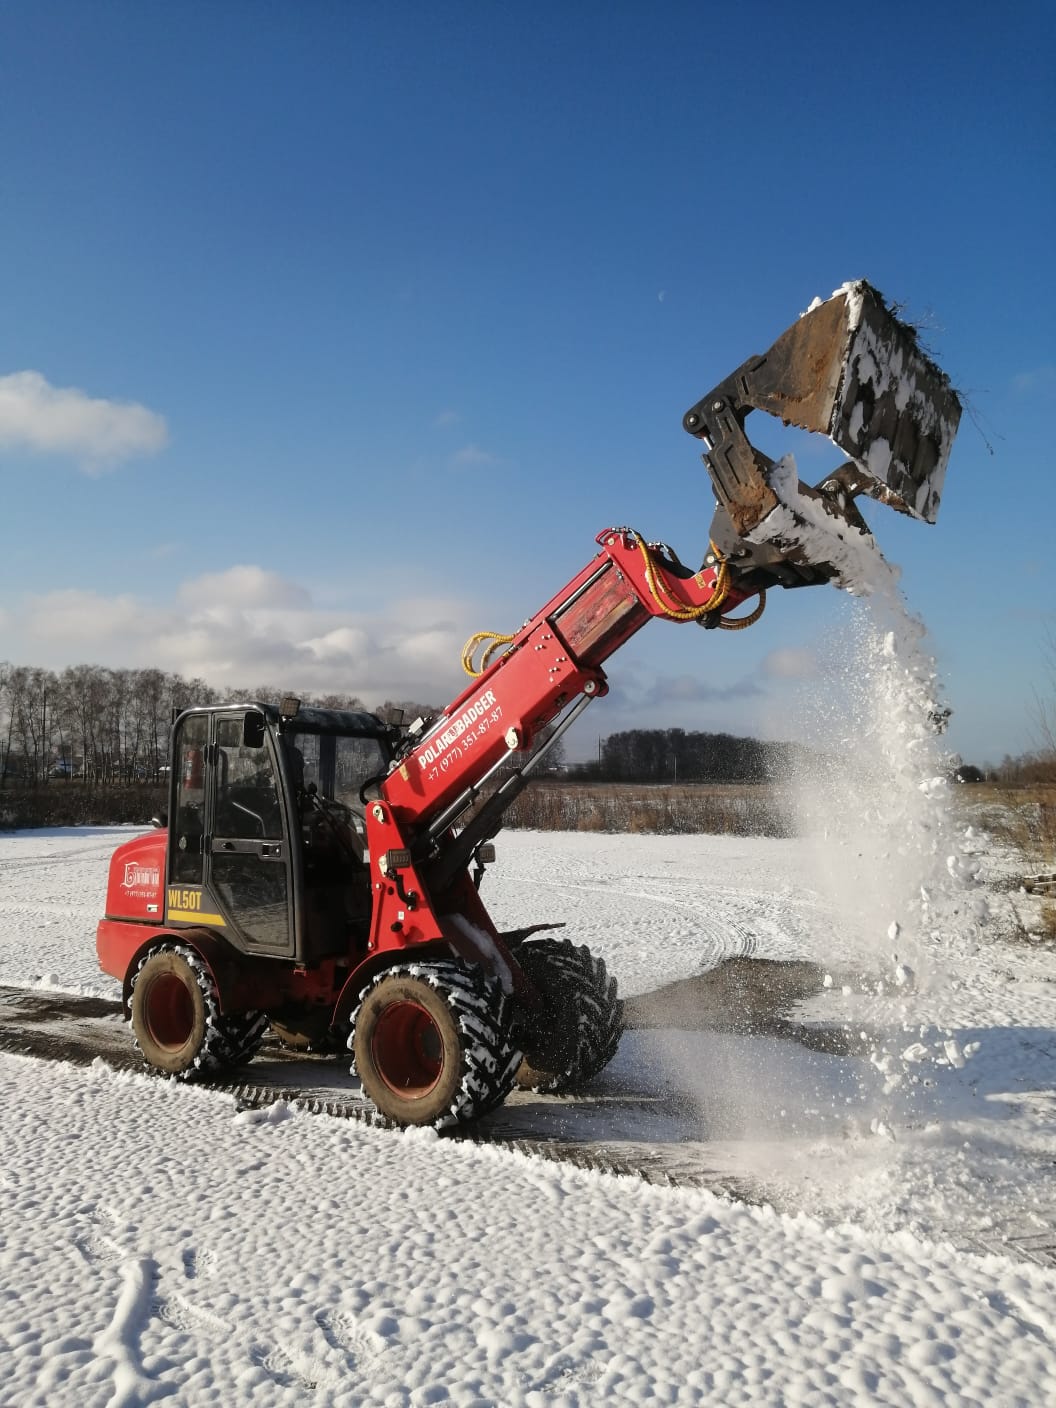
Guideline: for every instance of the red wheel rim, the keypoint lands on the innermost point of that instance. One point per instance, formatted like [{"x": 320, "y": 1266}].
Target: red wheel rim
[
  {"x": 169, "y": 1012},
  {"x": 407, "y": 1049}
]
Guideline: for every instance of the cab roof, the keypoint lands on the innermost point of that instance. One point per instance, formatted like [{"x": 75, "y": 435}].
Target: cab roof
[{"x": 307, "y": 719}]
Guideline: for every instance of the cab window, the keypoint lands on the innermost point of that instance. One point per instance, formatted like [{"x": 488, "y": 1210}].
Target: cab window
[
  {"x": 187, "y": 857},
  {"x": 337, "y": 767},
  {"x": 247, "y": 797}
]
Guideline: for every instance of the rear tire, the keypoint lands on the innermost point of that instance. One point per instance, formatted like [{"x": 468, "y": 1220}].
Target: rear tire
[
  {"x": 431, "y": 1043},
  {"x": 575, "y": 1031},
  {"x": 176, "y": 1017},
  {"x": 244, "y": 1033}
]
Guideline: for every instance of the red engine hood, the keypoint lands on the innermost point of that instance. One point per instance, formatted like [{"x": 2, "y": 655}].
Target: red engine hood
[{"x": 135, "y": 889}]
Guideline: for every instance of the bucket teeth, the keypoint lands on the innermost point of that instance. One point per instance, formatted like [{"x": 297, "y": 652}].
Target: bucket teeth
[
  {"x": 848, "y": 369},
  {"x": 895, "y": 413}
]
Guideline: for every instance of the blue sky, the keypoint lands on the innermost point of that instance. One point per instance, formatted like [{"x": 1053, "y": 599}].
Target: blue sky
[{"x": 412, "y": 298}]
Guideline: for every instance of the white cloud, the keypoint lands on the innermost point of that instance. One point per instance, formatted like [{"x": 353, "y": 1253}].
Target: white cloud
[
  {"x": 1040, "y": 382},
  {"x": 246, "y": 627},
  {"x": 445, "y": 419},
  {"x": 243, "y": 587},
  {"x": 470, "y": 456},
  {"x": 344, "y": 646},
  {"x": 84, "y": 617},
  {"x": 427, "y": 649},
  {"x": 98, "y": 433},
  {"x": 691, "y": 689},
  {"x": 790, "y": 664}
]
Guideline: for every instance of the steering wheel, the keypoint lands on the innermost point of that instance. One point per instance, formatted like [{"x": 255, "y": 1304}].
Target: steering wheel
[{"x": 334, "y": 815}]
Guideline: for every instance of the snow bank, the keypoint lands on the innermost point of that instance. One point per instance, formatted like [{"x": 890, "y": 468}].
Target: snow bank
[
  {"x": 158, "y": 1243},
  {"x": 155, "y": 1247}
]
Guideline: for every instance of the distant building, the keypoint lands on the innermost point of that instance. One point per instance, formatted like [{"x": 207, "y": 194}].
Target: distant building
[{"x": 968, "y": 772}]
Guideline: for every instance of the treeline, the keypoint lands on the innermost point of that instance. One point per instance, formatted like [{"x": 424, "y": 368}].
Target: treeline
[
  {"x": 108, "y": 727},
  {"x": 1026, "y": 770},
  {"x": 673, "y": 755}
]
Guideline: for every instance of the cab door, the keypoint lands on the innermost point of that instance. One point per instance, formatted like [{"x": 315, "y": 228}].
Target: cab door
[{"x": 248, "y": 850}]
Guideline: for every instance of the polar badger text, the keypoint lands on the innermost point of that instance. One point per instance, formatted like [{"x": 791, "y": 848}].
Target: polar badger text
[{"x": 455, "y": 729}]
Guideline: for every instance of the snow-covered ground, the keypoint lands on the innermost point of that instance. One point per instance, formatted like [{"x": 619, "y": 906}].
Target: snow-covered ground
[{"x": 157, "y": 1244}]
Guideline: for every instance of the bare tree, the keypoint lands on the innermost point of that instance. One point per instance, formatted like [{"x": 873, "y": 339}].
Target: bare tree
[
  {"x": 1044, "y": 710},
  {"x": 6, "y": 721},
  {"x": 31, "y": 725}
]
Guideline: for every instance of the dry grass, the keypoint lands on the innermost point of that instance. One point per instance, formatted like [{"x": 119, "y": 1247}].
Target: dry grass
[
  {"x": 716, "y": 808},
  {"x": 1022, "y": 817},
  {"x": 66, "y": 804}
]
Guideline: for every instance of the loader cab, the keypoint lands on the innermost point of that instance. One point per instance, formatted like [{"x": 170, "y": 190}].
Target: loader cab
[{"x": 266, "y": 834}]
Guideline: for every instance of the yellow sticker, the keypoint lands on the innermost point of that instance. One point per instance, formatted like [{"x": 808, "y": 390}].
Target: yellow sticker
[
  {"x": 187, "y": 905},
  {"x": 185, "y": 899}
]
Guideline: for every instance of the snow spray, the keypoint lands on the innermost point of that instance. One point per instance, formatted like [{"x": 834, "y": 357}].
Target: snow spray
[
  {"x": 893, "y": 869},
  {"x": 873, "y": 797},
  {"x": 874, "y": 804}
]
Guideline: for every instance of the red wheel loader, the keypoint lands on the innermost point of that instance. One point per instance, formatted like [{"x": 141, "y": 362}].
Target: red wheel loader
[{"x": 320, "y": 871}]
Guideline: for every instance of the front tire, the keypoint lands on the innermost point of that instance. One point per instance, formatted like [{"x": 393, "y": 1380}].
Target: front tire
[
  {"x": 176, "y": 1017},
  {"x": 431, "y": 1043},
  {"x": 574, "y": 1032}
]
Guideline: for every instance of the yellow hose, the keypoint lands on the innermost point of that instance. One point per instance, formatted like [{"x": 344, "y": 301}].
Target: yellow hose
[
  {"x": 741, "y": 623},
  {"x": 669, "y": 608},
  {"x": 470, "y": 647},
  {"x": 672, "y": 611}
]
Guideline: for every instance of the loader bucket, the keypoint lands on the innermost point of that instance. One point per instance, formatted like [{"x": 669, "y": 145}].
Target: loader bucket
[{"x": 849, "y": 370}]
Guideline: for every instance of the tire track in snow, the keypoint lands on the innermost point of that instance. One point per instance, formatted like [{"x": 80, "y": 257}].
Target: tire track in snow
[
  {"x": 81, "y": 855},
  {"x": 728, "y": 921},
  {"x": 610, "y": 1132},
  {"x": 712, "y": 931}
]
